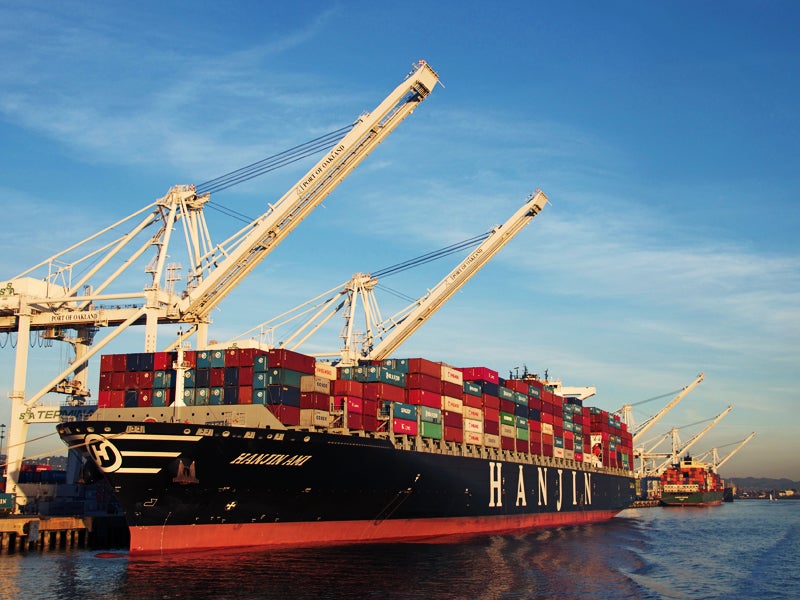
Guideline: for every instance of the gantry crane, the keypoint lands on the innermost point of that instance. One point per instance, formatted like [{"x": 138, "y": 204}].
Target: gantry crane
[
  {"x": 715, "y": 460},
  {"x": 677, "y": 447},
  {"x": 384, "y": 336},
  {"x": 53, "y": 302},
  {"x": 640, "y": 429}
]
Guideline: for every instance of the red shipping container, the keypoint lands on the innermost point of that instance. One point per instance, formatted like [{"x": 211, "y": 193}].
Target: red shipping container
[
  {"x": 534, "y": 426},
  {"x": 491, "y": 427},
  {"x": 451, "y": 389},
  {"x": 547, "y": 450},
  {"x": 507, "y": 406},
  {"x": 453, "y": 434},
  {"x": 104, "y": 399},
  {"x": 190, "y": 359},
  {"x": 522, "y": 446},
  {"x": 490, "y": 401},
  {"x": 245, "y": 394},
  {"x": 480, "y": 373},
  {"x": 517, "y": 385},
  {"x": 424, "y": 366},
  {"x": 105, "y": 381},
  {"x": 163, "y": 360},
  {"x": 288, "y": 415},
  {"x": 472, "y": 401},
  {"x": 369, "y": 422},
  {"x": 354, "y": 405},
  {"x": 424, "y": 398},
  {"x": 384, "y": 391},
  {"x": 118, "y": 379},
  {"x": 281, "y": 358},
  {"x": 216, "y": 377},
  {"x": 423, "y": 381},
  {"x": 535, "y": 403},
  {"x": 404, "y": 427},
  {"x": 507, "y": 443},
  {"x": 106, "y": 363},
  {"x": 245, "y": 375},
  {"x": 355, "y": 421},
  {"x": 346, "y": 387},
  {"x": 145, "y": 398},
  {"x": 491, "y": 414},
  {"x": 452, "y": 419},
  {"x": 232, "y": 357},
  {"x": 536, "y": 447},
  {"x": 370, "y": 408},
  {"x": 117, "y": 399},
  {"x": 119, "y": 362},
  {"x": 145, "y": 380},
  {"x": 315, "y": 400}
]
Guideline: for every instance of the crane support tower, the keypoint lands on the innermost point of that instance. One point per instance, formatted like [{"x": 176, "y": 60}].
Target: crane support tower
[
  {"x": 383, "y": 336},
  {"x": 51, "y": 303}
]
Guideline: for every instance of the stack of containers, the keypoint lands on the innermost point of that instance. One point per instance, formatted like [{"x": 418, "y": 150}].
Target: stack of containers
[
  {"x": 315, "y": 396},
  {"x": 484, "y": 381},
  {"x": 284, "y": 379},
  {"x": 129, "y": 380},
  {"x": 423, "y": 390},
  {"x": 348, "y": 397},
  {"x": 610, "y": 440},
  {"x": 382, "y": 385}
]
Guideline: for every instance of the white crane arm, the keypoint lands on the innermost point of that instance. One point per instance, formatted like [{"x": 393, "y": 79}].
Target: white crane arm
[
  {"x": 642, "y": 429},
  {"x": 735, "y": 450},
  {"x": 417, "y": 313},
  {"x": 272, "y": 227},
  {"x": 693, "y": 441}
]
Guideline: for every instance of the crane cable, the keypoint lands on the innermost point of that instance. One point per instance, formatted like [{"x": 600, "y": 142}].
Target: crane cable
[{"x": 253, "y": 170}]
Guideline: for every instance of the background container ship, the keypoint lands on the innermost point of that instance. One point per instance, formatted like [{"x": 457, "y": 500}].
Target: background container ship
[
  {"x": 243, "y": 447},
  {"x": 691, "y": 483}
]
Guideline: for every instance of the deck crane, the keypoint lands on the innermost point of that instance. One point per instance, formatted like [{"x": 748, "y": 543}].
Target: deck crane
[
  {"x": 715, "y": 460},
  {"x": 677, "y": 448},
  {"x": 383, "y": 336},
  {"x": 55, "y": 302},
  {"x": 640, "y": 429}
]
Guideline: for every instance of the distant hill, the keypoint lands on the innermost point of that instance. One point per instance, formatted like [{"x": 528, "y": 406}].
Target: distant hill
[{"x": 763, "y": 483}]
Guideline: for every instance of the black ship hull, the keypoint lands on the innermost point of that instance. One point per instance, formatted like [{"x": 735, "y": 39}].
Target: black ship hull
[{"x": 188, "y": 487}]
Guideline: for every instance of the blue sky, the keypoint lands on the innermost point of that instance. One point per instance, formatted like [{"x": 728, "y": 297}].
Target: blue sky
[{"x": 664, "y": 134}]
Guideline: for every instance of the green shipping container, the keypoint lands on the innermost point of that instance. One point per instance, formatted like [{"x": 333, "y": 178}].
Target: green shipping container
[
  {"x": 508, "y": 419},
  {"x": 285, "y": 377},
  {"x": 523, "y": 433},
  {"x": 431, "y": 430}
]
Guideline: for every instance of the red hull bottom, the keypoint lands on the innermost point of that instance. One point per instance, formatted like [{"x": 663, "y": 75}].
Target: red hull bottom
[{"x": 188, "y": 538}]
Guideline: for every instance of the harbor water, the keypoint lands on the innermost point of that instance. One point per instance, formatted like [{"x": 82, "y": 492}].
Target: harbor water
[{"x": 747, "y": 548}]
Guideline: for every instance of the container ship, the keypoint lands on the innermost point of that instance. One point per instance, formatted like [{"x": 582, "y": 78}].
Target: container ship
[
  {"x": 246, "y": 447},
  {"x": 691, "y": 483}
]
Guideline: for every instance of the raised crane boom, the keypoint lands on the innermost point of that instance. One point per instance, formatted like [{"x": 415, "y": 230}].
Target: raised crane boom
[
  {"x": 678, "y": 450},
  {"x": 415, "y": 315},
  {"x": 734, "y": 451},
  {"x": 255, "y": 241},
  {"x": 644, "y": 427}
]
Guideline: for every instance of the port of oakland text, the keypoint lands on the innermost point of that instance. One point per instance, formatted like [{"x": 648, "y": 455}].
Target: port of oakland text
[
  {"x": 271, "y": 460},
  {"x": 580, "y": 497},
  {"x": 303, "y": 185}
]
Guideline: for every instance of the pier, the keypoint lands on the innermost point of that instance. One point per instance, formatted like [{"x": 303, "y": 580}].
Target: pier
[{"x": 44, "y": 534}]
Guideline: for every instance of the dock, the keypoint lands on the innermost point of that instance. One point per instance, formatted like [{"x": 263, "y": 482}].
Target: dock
[{"x": 21, "y": 533}]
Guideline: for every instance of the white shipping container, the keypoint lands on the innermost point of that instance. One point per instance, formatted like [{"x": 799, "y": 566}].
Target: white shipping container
[
  {"x": 452, "y": 404},
  {"x": 473, "y": 426},
  {"x": 547, "y": 428},
  {"x": 508, "y": 431},
  {"x": 452, "y": 375},
  {"x": 558, "y": 452},
  {"x": 312, "y": 383},
  {"x": 470, "y": 412},
  {"x": 473, "y": 438},
  {"x": 325, "y": 370},
  {"x": 312, "y": 417},
  {"x": 491, "y": 440}
]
